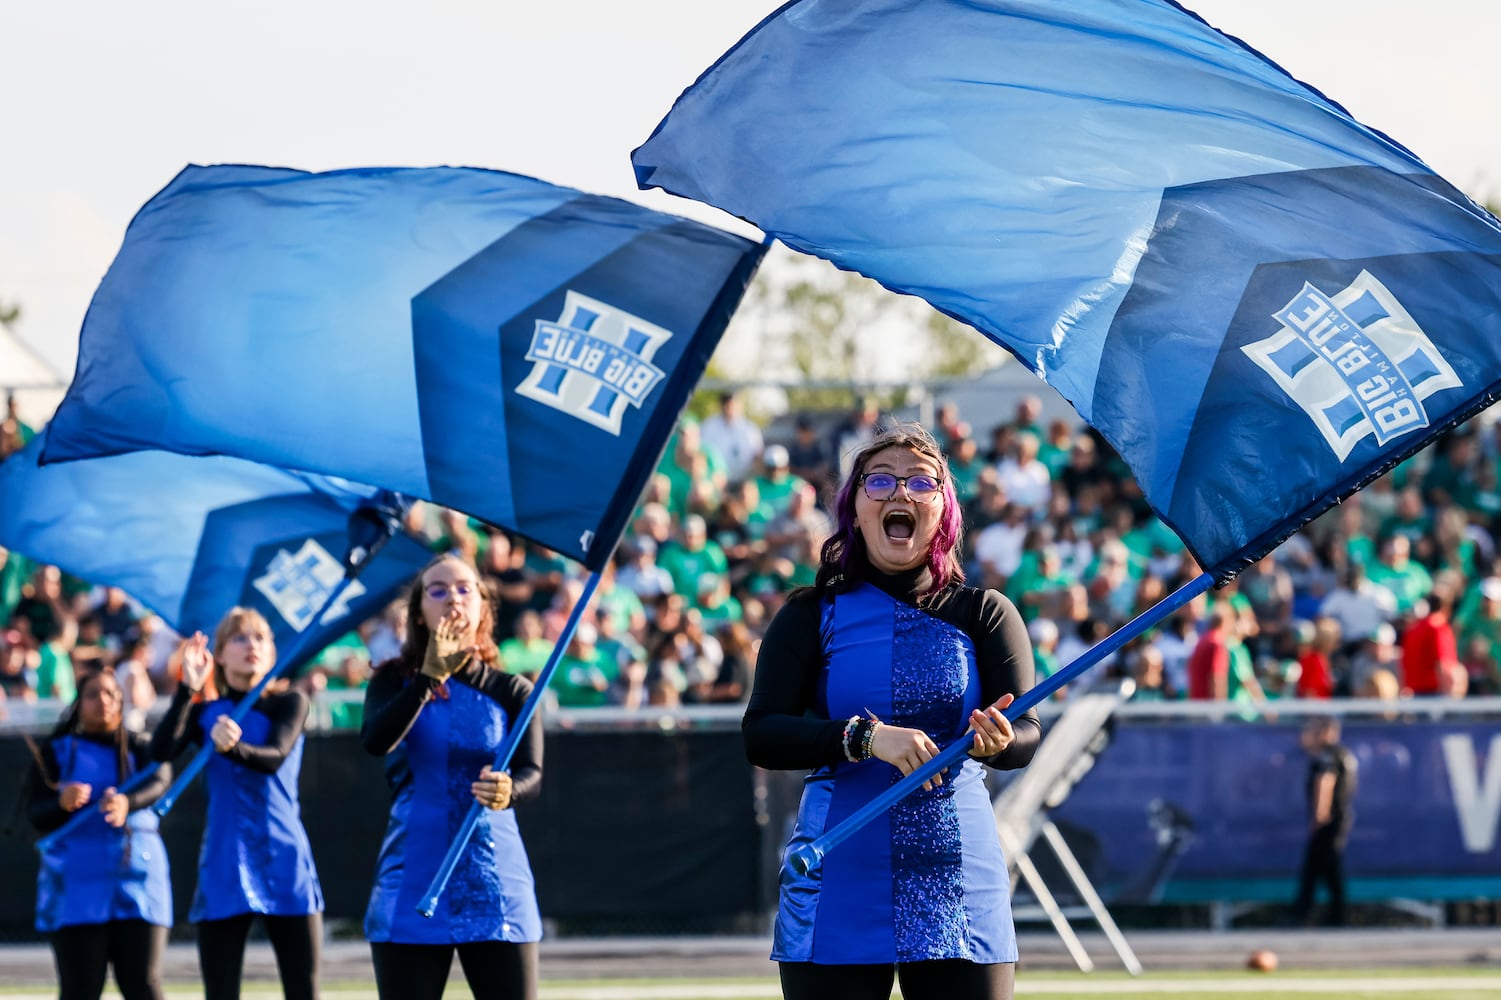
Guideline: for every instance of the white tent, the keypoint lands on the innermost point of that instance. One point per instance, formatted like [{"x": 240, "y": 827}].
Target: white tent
[{"x": 37, "y": 386}]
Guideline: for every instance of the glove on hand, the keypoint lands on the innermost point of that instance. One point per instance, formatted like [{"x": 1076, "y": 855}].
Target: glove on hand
[{"x": 446, "y": 653}]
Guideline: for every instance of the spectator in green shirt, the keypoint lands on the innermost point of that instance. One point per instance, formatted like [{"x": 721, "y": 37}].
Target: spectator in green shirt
[
  {"x": 1395, "y": 570},
  {"x": 692, "y": 558},
  {"x": 776, "y": 484},
  {"x": 586, "y": 673},
  {"x": 526, "y": 652}
]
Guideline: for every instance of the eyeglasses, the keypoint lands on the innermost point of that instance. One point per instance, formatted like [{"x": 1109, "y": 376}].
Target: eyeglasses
[
  {"x": 883, "y": 486},
  {"x": 440, "y": 591}
]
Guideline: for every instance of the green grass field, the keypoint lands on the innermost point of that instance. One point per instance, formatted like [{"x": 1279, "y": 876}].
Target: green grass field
[{"x": 1482, "y": 983}]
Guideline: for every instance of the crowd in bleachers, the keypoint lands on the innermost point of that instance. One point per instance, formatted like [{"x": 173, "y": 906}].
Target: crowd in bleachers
[{"x": 1396, "y": 591}]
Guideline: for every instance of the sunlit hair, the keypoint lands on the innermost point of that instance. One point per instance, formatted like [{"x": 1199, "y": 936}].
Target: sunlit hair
[
  {"x": 844, "y": 557},
  {"x": 237, "y": 620},
  {"x": 414, "y": 647}
]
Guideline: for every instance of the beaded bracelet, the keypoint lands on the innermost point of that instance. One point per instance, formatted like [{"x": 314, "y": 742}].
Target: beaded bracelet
[
  {"x": 867, "y": 746},
  {"x": 850, "y": 728}
]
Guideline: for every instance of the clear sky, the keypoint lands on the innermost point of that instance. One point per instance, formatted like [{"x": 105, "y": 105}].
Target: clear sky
[{"x": 103, "y": 101}]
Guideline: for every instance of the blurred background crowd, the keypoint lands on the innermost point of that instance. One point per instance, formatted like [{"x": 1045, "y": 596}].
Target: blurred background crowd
[{"x": 1394, "y": 593}]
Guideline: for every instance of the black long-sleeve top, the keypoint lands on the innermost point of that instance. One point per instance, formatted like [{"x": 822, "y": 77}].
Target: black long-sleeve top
[
  {"x": 180, "y": 728},
  {"x": 782, "y": 730},
  {"x": 393, "y": 702},
  {"x": 46, "y": 812}
]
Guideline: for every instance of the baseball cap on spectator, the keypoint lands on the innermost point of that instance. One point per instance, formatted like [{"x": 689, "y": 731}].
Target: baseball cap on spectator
[
  {"x": 1042, "y": 630},
  {"x": 774, "y": 457},
  {"x": 1490, "y": 588},
  {"x": 1383, "y": 634}
]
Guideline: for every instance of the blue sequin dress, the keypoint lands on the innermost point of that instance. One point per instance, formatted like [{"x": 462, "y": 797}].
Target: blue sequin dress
[{"x": 928, "y": 880}]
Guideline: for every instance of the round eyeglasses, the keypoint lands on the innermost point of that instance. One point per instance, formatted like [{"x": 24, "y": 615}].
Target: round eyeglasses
[
  {"x": 883, "y": 486},
  {"x": 440, "y": 591}
]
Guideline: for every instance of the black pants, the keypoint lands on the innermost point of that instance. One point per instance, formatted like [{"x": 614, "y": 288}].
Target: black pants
[
  {"x": 296, "y": 941},
  {"x": 1323, "y": 861},
  {"x": 85, "y": 952},
  {"x": 495, "y": 970},
  {"x": 946, "y": 979}
]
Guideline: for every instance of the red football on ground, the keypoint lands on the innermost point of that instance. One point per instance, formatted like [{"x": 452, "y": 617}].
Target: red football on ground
[{"x": 1262, "y": 960}]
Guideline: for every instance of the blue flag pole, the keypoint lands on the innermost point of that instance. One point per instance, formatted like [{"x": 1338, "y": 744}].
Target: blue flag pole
[
  {"x": 508, "y": 745},
  {"x": 371, "y": 525},
  {"x": 79, "y": 818},
  {"x": 810, "y": 855}
]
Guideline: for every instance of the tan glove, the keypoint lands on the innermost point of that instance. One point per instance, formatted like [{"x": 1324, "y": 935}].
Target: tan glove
[{"x": 446, "y": 653}]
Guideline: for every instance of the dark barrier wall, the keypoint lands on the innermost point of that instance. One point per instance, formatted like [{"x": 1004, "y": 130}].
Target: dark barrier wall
[
  {"x": 642, "y": 824},
  {"x": 652, "y": 830},
  {"x": 1191, "y": 812}
]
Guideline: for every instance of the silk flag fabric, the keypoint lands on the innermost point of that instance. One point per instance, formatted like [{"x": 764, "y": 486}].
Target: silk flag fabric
[
  {"x": 191, "y": 538},
  {"x": 1260, "y": 302},
  {"x": 493, "y": 343}
]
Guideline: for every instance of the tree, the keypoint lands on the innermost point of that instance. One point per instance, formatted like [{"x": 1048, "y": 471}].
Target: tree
[{"x": 828, "y": 335}]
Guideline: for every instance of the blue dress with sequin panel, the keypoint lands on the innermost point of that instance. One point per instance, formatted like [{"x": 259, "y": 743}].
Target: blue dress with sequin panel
[
  {"x": 491, "y": 895},
  {"x": 100, "y": 873},
  {"x": 927, "y": 880},
  {"x": 255, "y": 857}
]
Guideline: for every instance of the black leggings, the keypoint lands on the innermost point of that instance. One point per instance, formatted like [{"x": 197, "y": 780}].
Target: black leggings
[
  {"x": 85, "y": 953},
  {"x": 495, "y": 970},
  {"x": 296, "y": 941},
  {"x": 944, "y": 979}
]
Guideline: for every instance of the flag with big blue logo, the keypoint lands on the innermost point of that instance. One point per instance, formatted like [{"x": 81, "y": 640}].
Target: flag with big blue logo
[
  {"x": 1260, "y": 302},
  {"x": 192, "y": 537},
  {"x": 496, "y": 344}
]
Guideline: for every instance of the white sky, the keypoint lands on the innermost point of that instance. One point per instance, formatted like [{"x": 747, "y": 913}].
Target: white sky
[{"x": 102, "y": 102}]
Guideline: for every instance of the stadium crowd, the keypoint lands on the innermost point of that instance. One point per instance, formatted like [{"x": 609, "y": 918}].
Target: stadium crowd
[{"x": 1394, "y": 592}]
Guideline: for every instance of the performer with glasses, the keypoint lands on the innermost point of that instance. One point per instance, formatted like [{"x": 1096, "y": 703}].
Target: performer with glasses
[
  {"x": 255, "y": 858},
  {"x": 438, "y": 714},
  {"x": 863, "y": 677},
  {"x": 103, "y": 896}
]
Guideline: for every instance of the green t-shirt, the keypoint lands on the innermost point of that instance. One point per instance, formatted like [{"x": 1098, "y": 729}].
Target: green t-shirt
[
  {"x": 525, "y": 656},
  {"x": 688, "y": 567},
  {"x": 54, "y": 675},
  {"x": 575, "y": 685},
  {"x": 1408, "y": 585},
  {"x": 776, "y": 494}
]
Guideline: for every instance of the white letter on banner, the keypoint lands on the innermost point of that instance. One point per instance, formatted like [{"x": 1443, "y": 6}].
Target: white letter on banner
[{"x": 1478, "y": 810}]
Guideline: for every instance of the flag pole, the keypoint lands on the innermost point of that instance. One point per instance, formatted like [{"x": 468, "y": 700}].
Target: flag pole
[
  {"x": 371, "y": 525},
  {"x": 809, "y": 856},
  {"x": 79, "y": 818},
  {"x": 508, "y": 744}
]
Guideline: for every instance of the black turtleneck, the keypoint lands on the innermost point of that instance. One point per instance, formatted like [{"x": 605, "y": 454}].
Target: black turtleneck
[
  {"x": 781, "y": 729},
  {"x": 180, "y": 728},
  {"x": 393, "y": 702}
]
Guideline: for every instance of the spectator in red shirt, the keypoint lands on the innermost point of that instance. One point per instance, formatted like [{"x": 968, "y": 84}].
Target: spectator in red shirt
[
  {"x": 1209, "y": 664},
  {"x": 1316, "y": 673},
  {"x": 1429, "y": 649}
]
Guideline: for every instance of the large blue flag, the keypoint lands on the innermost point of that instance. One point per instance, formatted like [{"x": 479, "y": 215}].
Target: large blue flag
[
  {"x": 1259, "y": 301},
  {"x": 496, "y": 344},
  {"x": 192, "y": 537}
]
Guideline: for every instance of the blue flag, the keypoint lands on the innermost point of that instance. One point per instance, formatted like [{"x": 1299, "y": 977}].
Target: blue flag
[
  {"x": 508, "y": 348},
  {"x": 192, "y": 537},
  {"x": 1260, "y": 302}
]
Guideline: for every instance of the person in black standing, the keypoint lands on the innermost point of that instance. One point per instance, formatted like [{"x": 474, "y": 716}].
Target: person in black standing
[{"x": 1331, "y": 800}]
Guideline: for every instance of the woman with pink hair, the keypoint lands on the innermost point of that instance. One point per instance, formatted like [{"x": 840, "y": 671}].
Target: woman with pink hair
[{"x": 863, "y": 677}]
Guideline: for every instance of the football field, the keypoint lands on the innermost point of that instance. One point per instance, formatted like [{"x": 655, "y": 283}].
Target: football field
[{"x": 1376, "y": 984}]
